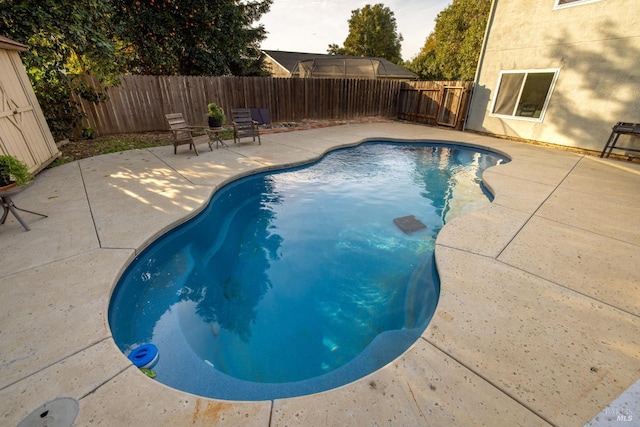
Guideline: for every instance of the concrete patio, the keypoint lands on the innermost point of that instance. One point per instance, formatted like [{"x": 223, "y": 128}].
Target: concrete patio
[{"x": 538, "y": 320}]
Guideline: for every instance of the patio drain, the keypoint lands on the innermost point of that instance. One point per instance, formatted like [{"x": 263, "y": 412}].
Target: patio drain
[{"x": 60, "y": 412}]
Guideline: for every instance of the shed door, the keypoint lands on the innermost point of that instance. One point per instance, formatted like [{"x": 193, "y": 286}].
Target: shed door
[{"x": 23, "y": 129}]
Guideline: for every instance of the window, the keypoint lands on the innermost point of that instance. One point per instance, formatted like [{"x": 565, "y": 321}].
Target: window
[
  {"x": 524, "y": 94},
  {"x": 560, "y": 4}
]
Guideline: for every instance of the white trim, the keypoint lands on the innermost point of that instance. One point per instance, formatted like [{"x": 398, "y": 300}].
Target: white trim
[
  {"x": 555, "y": 71},
  {"x": 483, "y": 50},
  {"x": 557, "y": 6}
]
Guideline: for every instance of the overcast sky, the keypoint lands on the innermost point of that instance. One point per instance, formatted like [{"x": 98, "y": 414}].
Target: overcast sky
[{"x": 310, "y": 26}]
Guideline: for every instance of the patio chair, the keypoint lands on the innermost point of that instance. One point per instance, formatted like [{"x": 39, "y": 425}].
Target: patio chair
[
  {"x": 243, "y": 125},
  {"x": 182, "y": 132}
]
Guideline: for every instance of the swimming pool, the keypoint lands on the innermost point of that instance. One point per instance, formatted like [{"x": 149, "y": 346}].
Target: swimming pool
[{"x": 298, "y": 281}]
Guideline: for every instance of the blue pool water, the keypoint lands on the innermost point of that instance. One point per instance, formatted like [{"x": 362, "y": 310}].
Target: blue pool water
[{"x": 298, "y": 281}]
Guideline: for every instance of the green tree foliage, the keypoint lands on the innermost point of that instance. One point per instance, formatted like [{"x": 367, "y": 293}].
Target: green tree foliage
[
  {"x": 192, "y": 37},
  {"x": 107, "y": 38},
  {"x": 452, "y": 50},
  {"x": 65, "y": 38},
  {"x": 334, "y": 49},
  {"x": 425, "y": 64},
  {"x": 372, "y": 32}
]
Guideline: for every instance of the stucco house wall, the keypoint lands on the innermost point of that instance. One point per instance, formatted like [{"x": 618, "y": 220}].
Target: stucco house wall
[
  {"x": 595, "y": 48},
  {"x": 276, "y": 69}
]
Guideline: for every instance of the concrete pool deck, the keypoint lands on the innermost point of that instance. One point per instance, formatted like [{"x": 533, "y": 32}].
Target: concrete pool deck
[{"x": 538, "y": 320}]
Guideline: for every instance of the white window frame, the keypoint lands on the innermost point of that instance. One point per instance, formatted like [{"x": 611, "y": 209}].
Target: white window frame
[
  {"x": 556, "y": 71},
  {"x": 573, "y": 3}
]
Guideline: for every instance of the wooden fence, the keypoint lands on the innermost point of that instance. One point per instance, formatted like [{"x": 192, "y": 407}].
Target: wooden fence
[
  {"x": 140, "y": 102},
  {"x": 441, "y": 103}
]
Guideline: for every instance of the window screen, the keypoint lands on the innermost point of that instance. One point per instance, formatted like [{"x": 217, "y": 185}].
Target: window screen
[{"x": 508, "y": 91}]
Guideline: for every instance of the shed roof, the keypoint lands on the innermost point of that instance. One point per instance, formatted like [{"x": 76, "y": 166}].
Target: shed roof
[
  {"x": 289, "y": 61},
  {"x": 9, "y": 44}
]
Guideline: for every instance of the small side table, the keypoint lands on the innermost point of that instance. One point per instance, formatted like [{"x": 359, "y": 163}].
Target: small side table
[
  {"x": 621, "y": 128},
  {"x": 9, "y": 206},
  {"x": 214, "y": 136}
]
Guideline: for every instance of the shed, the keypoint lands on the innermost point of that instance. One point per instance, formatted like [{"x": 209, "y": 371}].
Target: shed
[{"x": 24, "y": 132}]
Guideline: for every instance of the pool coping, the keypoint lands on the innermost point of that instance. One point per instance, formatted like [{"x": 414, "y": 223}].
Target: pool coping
[{"x": 481, "y": 359}]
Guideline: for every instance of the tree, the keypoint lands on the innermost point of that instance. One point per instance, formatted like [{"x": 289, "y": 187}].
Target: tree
[
  {"x": 372, "y": 32},
  {"x": 106, "y": 38},
  {"x": 425, "y": 64},
  {"x": 192, "y": 37},
  {"x": 452, "y": 50},
  {"x": 334, "y": 49},
  {"x": 64, "y": 38}
]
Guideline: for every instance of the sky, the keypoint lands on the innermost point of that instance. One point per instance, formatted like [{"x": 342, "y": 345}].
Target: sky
[{"x": 310, "y": 26}]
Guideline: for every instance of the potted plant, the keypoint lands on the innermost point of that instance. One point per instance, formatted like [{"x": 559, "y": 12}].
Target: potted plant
[
  {"x": 13, "y": 172},
  {"x": 215, "y": 115}
]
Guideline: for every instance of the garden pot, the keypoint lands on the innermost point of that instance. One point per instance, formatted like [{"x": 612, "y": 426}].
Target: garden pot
[
  {"x": 214, "y": 123},
  {"x": 5, "y": 179},
  {"x": 7, "y": 186}
]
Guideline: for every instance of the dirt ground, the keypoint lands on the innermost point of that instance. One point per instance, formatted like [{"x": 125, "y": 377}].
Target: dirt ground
[{"x": 76, "y": 149}]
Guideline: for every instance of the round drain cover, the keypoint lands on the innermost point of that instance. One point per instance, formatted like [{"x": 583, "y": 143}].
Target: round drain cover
[{"x": 60, "y": 412}]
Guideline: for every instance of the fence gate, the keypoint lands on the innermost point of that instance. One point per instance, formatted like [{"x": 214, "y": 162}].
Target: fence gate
[
  {"x": 418, "y": 105},
  {"x": 442, "y": 103}
]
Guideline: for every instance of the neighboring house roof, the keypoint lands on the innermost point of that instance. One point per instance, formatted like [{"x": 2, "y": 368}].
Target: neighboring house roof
[
  {"x": 9, "y": 44},
  {"x": 290, "y": 62}
]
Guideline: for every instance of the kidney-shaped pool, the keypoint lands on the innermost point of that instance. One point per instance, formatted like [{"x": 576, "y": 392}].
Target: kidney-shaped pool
[{"x": 300, "y": 280}]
